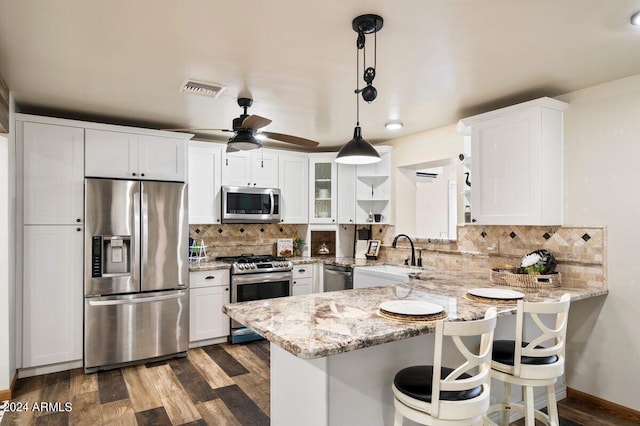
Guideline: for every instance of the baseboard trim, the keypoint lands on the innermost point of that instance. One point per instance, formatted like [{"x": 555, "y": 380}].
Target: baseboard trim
[
  {"x": 612, "y": 407},
  {"x": 5, "y": 394}
]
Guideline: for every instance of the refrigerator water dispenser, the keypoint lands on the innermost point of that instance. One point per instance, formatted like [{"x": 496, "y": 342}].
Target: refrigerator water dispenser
[{"x": 111, "y": 256}]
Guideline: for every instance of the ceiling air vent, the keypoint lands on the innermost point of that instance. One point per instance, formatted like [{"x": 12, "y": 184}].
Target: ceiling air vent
[{"x": 202, "y": 88}]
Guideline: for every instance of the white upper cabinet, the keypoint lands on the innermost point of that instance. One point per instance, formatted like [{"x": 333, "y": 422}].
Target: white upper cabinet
[
  {"x": 115, "y": 154},
  {"x": 53, "y": 160},
  {"x": 204, "y": 182},
  {"x": 517, "y": 175},
  {"x": 322, "y": 188},
  {"x": 258, "y": 168},
  {"x": 294, "y": 184},
  {"x": 346, "y": 193}
]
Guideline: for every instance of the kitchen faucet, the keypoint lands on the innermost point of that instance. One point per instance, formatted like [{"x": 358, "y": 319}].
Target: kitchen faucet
[{"x": 413, "y": 251}]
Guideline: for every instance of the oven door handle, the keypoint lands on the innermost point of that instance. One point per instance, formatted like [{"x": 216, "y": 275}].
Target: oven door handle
[{"x": 268, "y": 277}]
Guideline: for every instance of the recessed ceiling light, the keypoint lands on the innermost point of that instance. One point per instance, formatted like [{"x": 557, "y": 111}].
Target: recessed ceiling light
[
  {"x": 635, "y": 18},
  {"x": 393, "y": 125}
]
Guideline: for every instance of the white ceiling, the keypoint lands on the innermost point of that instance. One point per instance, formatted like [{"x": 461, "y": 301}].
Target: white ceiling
[{"x": 124, "y": 61}]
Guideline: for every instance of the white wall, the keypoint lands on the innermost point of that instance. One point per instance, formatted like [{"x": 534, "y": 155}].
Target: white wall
[
  {"x": 421, "y": 147},
  {"x": 602, "y": 151}
]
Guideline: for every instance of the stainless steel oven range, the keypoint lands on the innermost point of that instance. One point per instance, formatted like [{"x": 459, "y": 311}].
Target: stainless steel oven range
[{"x": 253, "y": 278}]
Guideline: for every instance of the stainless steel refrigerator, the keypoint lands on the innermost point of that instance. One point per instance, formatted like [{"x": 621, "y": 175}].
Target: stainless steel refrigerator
[{"x": 136, "y": 271}]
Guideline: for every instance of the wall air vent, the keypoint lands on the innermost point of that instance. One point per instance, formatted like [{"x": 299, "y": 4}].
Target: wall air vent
[{"x": 202, "y": 88}]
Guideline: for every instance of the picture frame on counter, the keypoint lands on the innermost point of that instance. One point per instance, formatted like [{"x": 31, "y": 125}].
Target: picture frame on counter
[
  {"x": 284, "y": 247},
  {"x": 373, "y": 248}
]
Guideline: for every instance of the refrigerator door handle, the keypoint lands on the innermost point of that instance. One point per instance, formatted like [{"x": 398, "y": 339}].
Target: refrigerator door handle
[
  {"x": 144, "y": 229},
  {"x": 135, "y": 267},
  {"x": 111, "y": 302}
]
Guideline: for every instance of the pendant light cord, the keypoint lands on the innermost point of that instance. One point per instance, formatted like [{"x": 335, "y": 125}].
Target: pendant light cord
[{"x": 357, "y": 87}]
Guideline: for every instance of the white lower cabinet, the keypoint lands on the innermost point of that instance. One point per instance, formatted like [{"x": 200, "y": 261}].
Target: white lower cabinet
[
  {"x": 302, "y": 279},
  {"x": 52, "y": 294},
  {"x": 209, "y": 291}
]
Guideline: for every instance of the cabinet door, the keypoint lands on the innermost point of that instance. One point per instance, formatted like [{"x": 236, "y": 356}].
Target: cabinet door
[
  {"x": 52, "y": 295},
  {"x": 264, "y": 169},
  {"x": 53, "y": 158},
  {"x": 206, "y": 318},
  {"x": 505, "y": 156},
  {"x": 236, "y": 169},
  {"x": 294, "y": 184},
  {"x": 111, "y": 154},
  {"x": 322, "y": 190},
  {"x": 346, "y": 193},
  {"x": 204, "y": 183},
  {"x": 161, "y": 158},
  {"x": 302, "y": 286}
]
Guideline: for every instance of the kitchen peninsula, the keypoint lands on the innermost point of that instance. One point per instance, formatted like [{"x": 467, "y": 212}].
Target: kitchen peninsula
[{"x": 333, "y": 357}]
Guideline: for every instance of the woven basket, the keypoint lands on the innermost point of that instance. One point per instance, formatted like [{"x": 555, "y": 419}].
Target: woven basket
[{"x": 500, "y": 276}]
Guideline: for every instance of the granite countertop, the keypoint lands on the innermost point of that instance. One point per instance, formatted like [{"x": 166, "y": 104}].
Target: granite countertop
[{"x": 325, "y": 324}]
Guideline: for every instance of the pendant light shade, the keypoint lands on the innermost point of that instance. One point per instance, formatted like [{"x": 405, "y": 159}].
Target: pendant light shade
[{"x": 357, "y": 150}]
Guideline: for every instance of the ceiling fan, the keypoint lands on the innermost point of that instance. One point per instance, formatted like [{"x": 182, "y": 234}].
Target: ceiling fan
[{"x": 245, "y": 128}]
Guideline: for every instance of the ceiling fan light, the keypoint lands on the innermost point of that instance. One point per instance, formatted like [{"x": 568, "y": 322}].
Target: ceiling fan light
[
  {"x": 635, "y": 18},
  {"x": 357, "y": 151},
  {"x": 243, "y": 141}
]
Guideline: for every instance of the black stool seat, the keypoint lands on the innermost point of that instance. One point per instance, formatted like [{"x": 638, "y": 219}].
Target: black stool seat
[
  {"x": 503, "y": 352},
  {"x": 416, "y": 382}
]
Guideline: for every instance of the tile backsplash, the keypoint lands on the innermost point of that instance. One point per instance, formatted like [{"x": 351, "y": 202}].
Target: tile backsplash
[
  {"x": 579, "y": 250},
  {"x": 235, "y": 239}
]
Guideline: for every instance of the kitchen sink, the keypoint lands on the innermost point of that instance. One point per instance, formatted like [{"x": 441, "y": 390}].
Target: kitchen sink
[{"x": 377, "y": 275}]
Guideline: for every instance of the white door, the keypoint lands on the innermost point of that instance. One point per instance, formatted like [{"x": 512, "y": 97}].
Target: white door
[
  {"x": 204, "y": 183},
  {"x": 346, "y": 193},
  {"x": 206, "y": 318},
  {"x": 52, "y": 294},
  {"x": 236, "y": 168},
  {"x": 161, "y": 158},
  {"x": 111, "y": 154},
  {"x": 53, "y": 159},
  {"x": 264, "y": 169},
  {"x": 294, "y": 184}
]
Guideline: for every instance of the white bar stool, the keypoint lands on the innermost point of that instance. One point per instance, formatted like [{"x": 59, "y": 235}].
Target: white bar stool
[
  {"x": 456, "y": 396},
  {"x": 529, "y": 364}
]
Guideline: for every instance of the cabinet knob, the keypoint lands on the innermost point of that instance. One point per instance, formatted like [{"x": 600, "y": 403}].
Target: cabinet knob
[
  {"x": 351, "y": 220},
  {"x": 209, "y": 277},
  {"x": 78, "y": 229},
  {"x": 141, "y": 174},
  {"x": 217, "y": 220},
  {"x": 295, "y": 282},
  {"x": 78, "y": 220},
  {"x": 254, "y": 184},
  {"x": 134, "y": 173},
  {"x": 248, "y": 183},
  {"x": 333, "y": 220},
  {"x": 226, "y": 289}
]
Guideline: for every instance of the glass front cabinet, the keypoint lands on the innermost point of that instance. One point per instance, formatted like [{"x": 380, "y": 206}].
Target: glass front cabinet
[{"x": 322, "y": 189}]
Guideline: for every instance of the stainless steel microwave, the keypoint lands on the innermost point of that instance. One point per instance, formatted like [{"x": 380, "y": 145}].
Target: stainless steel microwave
[{"x": 250, "y": 205}]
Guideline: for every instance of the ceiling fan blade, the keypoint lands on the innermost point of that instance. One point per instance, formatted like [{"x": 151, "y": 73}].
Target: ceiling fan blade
[
  {"x": 255, "y": 122},
  {"x": 199, "y": 130},
  {"x": 291, "y": 139}
]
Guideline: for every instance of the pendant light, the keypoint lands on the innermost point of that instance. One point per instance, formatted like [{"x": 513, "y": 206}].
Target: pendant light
[{"x": 358, "y": 150}]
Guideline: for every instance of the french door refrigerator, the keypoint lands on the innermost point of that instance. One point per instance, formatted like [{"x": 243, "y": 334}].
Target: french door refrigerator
[{"x": 136, "y": 271}]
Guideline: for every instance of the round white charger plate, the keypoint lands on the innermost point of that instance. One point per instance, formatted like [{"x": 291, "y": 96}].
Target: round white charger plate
[
  {"x": 411, "y": 307},
  {"x": 496, "y": 293}
]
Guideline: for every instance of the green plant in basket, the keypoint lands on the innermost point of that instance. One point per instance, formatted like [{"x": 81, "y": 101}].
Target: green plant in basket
[
  {"x": 538, "y": 262},
  {"x": 298, "y": 243}
]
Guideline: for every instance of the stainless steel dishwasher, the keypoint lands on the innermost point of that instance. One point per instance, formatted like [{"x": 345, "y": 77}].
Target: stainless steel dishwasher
[{"x": 338, "y": 277}]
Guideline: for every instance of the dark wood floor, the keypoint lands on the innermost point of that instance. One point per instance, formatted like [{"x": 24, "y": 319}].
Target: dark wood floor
[{"x": 216, "y": 385}]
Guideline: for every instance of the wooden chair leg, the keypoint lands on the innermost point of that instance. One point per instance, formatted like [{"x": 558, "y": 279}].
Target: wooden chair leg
[
  {"x": 506, "y": 400},
  {"x": 529, "y": 418},
  {"x": 397, "y": 418},
  {"x": 552, "y": 406}
]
